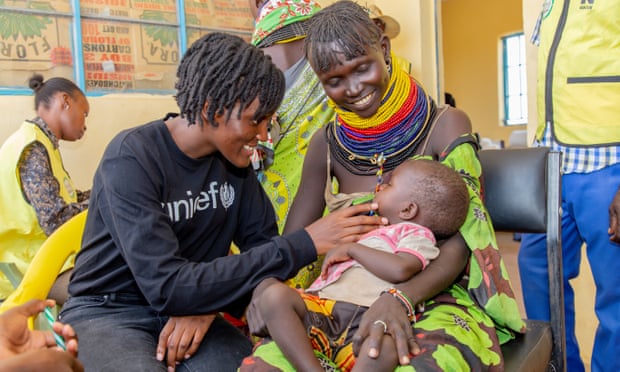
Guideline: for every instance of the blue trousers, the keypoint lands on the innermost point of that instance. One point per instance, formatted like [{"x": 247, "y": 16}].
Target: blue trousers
[
  {"x": 585, "y": 220},
  {"x": 117, "y": 336}
]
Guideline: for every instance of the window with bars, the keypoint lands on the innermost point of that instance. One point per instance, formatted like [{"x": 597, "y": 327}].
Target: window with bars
[
  {"x": 108, "y": 46},
  {"x": 514, "y": 79}
]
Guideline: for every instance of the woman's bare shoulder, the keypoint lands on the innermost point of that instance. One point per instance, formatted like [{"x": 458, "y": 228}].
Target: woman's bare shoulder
[
  {"x": 317, "y": 148},
  {"x": 455, "y": 120},
  {"x": 452, "y": 124}
]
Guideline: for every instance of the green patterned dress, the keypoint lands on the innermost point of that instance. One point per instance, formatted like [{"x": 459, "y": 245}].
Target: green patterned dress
[{"x": 303, "y": 111}]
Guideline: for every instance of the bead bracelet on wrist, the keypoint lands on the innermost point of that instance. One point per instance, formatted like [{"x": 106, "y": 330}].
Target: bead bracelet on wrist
[{"x": 404, "y": 300}]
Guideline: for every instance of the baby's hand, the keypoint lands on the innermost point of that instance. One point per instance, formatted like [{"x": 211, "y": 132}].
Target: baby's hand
[{"x": 336, "y": 255}]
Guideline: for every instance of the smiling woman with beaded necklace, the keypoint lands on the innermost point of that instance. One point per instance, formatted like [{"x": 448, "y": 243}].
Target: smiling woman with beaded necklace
[{"x": 384, "y": 117}]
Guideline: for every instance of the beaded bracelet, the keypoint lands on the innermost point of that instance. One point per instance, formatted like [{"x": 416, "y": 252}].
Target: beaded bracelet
[{"x": 404, "y": 300}]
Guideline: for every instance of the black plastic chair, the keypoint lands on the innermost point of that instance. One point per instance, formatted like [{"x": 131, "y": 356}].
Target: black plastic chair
[{"x": 522, "y": 194}]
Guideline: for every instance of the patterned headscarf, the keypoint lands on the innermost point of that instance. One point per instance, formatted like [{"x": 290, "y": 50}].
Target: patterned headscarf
[{"x": 274, "y": 15}]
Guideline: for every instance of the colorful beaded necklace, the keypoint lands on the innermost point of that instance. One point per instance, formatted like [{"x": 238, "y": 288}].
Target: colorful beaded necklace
[{"x": 392, "y": 134}]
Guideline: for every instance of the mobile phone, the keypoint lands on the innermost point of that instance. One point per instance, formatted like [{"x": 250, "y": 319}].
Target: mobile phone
[{"x": 364, "y": 199}]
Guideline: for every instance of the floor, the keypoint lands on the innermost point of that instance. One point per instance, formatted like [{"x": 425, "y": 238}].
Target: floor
[{"x": 584, "y": 292}]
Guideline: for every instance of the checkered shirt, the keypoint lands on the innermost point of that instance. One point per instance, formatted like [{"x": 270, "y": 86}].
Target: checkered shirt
[{"x": 581, "y": 159}]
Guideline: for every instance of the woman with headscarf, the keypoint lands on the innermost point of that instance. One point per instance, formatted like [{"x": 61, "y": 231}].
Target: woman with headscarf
[{"x": 280, "y": 31}]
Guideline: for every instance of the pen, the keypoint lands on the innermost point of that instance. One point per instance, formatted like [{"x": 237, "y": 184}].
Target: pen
[{"x": 50, "y": 320}]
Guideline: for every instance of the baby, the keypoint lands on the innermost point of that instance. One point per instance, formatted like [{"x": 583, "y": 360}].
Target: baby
[{"x": 424, "y": 201}]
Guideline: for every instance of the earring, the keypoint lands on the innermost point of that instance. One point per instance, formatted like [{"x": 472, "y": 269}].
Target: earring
[{"x": 389, "y": 67}]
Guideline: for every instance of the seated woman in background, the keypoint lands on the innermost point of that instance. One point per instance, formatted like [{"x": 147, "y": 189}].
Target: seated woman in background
[
  {"x": 37, "y": 193},
  {"x": 466, "y": 307}
]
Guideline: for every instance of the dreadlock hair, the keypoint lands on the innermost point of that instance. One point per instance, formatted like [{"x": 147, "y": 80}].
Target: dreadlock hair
[
  {"x": 225, "y": 70},
  {"x": 440, "y": 192},
  {"x": 341, "y": 28},
  {"x": 45, "y": 90}
]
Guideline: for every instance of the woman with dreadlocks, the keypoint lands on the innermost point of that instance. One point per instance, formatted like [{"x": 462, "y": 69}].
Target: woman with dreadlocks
[
  {"x": 169, "y": 197},
  {"x": 453, "y": 315}
]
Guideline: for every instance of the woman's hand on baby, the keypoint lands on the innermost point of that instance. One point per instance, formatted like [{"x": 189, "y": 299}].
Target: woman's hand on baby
[
  {"x": 181, "y": 337},
  {"x": 344, "y": 226},
  {"x": 389, "y": 311}
]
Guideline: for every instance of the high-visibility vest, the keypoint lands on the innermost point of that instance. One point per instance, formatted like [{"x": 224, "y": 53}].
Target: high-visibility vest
[
  {"x": 21, "y": 235},
  {"x": 579, "y": 72}
]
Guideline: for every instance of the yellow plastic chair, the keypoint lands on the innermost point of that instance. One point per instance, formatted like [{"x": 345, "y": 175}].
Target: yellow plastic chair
[{"x": 47, "y": 263}]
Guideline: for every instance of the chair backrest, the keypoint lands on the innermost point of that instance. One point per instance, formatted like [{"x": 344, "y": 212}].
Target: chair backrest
[
  {"x": 522, "y": 194},
  {"x": 48, "y": 262}
]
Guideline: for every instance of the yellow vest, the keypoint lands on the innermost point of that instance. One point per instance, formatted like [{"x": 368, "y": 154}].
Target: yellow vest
[
  {"x": 20, "y": 232},
  {"x": 579, "y": 72}
]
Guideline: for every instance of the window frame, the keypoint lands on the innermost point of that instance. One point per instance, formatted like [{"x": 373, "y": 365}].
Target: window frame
[
  {"x": 77, "y": 51},
  {"x": 513, "y": 74}
]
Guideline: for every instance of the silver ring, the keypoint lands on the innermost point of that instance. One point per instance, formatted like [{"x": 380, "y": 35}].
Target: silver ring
[{"x": 382, "y": 323}]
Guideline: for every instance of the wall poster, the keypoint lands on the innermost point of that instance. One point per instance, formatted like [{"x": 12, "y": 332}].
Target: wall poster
[
  {"x": 127, "y": 45},
  {"x": 34, "y": 43}
]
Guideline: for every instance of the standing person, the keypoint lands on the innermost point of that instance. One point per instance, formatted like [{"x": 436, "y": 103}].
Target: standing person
[
  {"x": 280, "y": 30},
  {"x": 169, "y": 198},
  {"x": 424, "y": 200},
  {"x": 470, "y": 308},
  {"x": 22, "y": 349},
  {"x": 579, "y": 115},
  {"x": 37, "y": 193}
]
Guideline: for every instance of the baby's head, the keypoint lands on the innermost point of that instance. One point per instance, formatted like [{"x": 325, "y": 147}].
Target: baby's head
[{"x": 425, "y": 192}]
